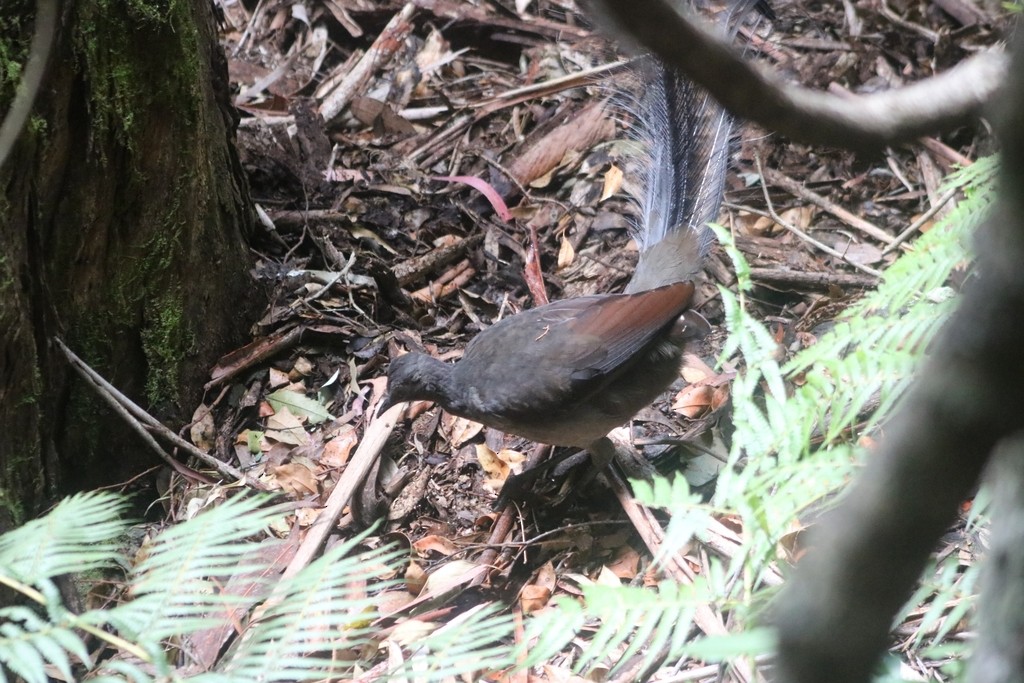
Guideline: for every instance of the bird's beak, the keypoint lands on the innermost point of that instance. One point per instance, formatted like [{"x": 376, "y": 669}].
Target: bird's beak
[{"x": 385, "y": 404}]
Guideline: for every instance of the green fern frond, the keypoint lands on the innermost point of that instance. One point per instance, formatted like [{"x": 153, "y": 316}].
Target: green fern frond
[
  {"x": 478, "y": 641},
  {"x": 315, "y": 624},
  {"x": 791, "y": 451},
  {"x": 80, "y": 534},
  {"x": 690, "y": 516},
  {"x": 175, "y": 589},
  {"x": 641, "y": 621},
  {"x": 856, "y": 371},
  {"x": 28, "y": 643}
]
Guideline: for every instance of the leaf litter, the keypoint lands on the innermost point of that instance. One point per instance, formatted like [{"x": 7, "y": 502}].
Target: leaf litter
[{"x": 415, "y": 166}]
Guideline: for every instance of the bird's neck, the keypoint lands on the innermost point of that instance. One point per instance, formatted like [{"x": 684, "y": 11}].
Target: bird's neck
[{"x": 433, "y": 381}]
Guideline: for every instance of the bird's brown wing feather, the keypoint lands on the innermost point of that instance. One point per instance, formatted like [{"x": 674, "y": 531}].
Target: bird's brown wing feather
[
  {"x": 566, "y": 349},
  {"x": 626, "y": 324}
]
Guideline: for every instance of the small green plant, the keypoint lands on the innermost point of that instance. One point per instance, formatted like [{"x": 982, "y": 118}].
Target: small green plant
[
  {"x": 797, "y": 424},
  {"x": 177, "y": 589}
]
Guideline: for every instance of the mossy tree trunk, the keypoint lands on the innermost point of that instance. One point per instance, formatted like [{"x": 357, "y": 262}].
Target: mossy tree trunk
[{"x": 122, "y": 215}]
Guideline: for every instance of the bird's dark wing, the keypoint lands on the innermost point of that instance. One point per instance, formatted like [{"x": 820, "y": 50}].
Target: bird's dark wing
[{"x": 625, "y": 325}]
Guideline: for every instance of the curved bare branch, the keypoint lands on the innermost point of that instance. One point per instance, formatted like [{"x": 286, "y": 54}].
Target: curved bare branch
[
  {"x": 860, "y": 122},
  {"x": 32, "y": 77}
]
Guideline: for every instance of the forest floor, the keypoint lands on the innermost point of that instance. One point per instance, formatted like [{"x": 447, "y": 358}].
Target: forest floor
[{"x": 423, "y": 170}]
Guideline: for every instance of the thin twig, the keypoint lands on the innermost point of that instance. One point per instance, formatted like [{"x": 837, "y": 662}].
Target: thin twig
[
  {"x": 143, "y": 423},
  {"x": 793, "y": 187},
  {"x": 925, "y": 217},
  {"x": 355, "y": 471}
]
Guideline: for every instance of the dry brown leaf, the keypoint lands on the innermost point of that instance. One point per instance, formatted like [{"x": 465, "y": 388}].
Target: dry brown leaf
[
  {"x": 434, "y": 52},
  {"x": 492, "y": 465},
  {"x": 415, "y": 578},
  {"x": 926, "y": 226},
  {"x": 451, "y": 575},
  {"x": 545, "y": 575},
  {"x": 389, "y": 602},
  {"x": 533, "y": 598},
  {"x": 284, "y": 419},
  {"x": 612, "y": 182},
  {"x": 460, "y": 430},
  {"x": 719, "y": 396},
  {"x": 286, "y": 427},
  {"x": 573, "y": 584},
  {"x": 485, "y": 521},
  {"x": 526, "y": 213},
  {"x": 693, "y": 401},
  {"x": 793, "y": 544},
  {"x": 543, "y": 180},
  {"x": 745, "y": 221},
  {"x": 499, "y": 465},
  {"x": 435, "y": 544},
  {"x": 379, "y": 389},
  {"x": 337, "y": 450},
  {"x": 408, "y": 632},
  {"x": 695, "y": 370},
  {"x": 759, "y": 226},
  {"x": 306, "y": 516},
  {"x": 606, "y": 577},
  {"x": 293, "y": 437},
  {"x": 513, "y": 458},
  {"x": 278, "y": 378},
  {"x": 862, "y": 253},
  {"x": 799, "y": 216},
  {"x": 566, "y": 254},
  {"x": 732, "y": 522},
  {"x": 295, "y": 478},
  {"x": 302, "y": 367},
  {"x": 626, "y": 563}
]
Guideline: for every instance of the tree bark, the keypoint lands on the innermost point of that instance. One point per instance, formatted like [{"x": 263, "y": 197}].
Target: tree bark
[
  {"x": 999, "y": 654},
  {"x": 124, "y": 210},
  {"x": 834, "y": 616}
]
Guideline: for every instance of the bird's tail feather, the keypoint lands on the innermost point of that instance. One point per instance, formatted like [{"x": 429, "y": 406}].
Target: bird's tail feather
[
  {"x": 687, "y": 135},
  {"x": 687, "y": 139}
]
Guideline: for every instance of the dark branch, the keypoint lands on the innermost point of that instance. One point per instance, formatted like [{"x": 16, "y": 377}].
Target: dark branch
[
  {"x": 860, "y": 122},
  {"x": 35, "y": 69},
  {"x": 835, "y": 616}
]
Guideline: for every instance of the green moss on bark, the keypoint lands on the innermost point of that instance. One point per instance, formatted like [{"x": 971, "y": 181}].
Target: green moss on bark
[
  {"x": 15, "y": 38},
  {"x": 167, "y": 343},
  {"x": 132, "y": 91},
  {"x": 110, "y": 40}
]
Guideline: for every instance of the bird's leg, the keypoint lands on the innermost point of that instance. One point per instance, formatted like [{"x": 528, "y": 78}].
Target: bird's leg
[
  {"x": 516, "y": 485},
  {"x": 602, "y": 454}
]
